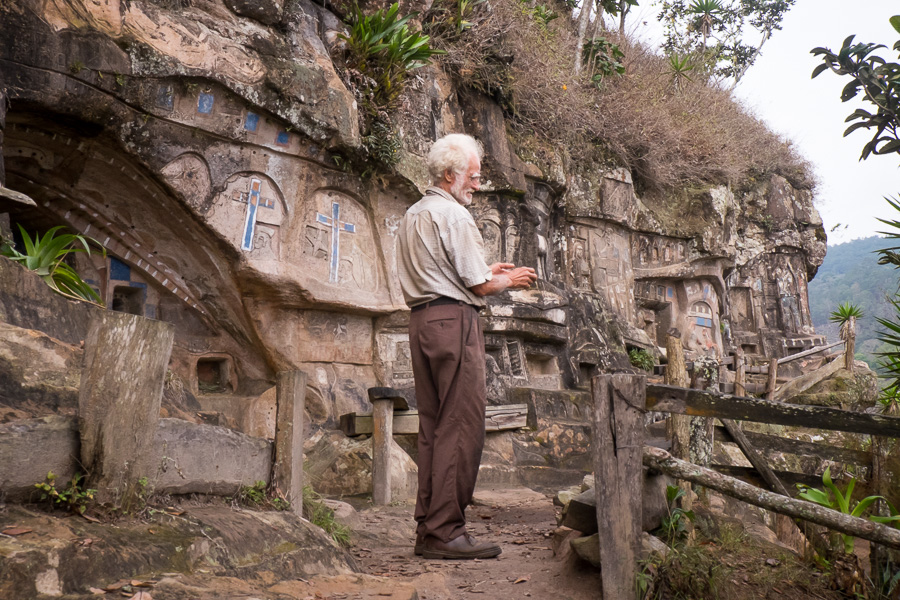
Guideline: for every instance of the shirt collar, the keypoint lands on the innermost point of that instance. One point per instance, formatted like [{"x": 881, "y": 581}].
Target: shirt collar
[{"x": 440, "y": 192}]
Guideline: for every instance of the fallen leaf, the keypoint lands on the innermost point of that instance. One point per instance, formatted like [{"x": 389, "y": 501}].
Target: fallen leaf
[
  {"x": 97, "y": 591},
  {"x": 16, "y": 530},
  {"x": 772, "y": 562},
  {"x": 142, "y": 595},
  {"x": 139, "y": 583},
  {"x": 522, "y": 579},
  {"x": 151, "y": 531},
  {"x": 90, "y": 518},
  {"x": 113, "y": 587}
]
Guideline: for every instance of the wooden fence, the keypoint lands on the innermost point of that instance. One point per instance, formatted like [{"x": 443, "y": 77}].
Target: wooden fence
[{"x": 620, "y": 402}]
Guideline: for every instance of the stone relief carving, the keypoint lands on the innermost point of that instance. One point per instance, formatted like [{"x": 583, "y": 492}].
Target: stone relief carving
[
  {"x": 189, "y": 175},
  {"x": 249, "y": 212},
  {"x": 337, "y": 241}
]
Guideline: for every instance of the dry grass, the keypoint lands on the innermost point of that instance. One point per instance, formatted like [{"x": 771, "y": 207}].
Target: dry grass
[{"x": 667, "y": 137}]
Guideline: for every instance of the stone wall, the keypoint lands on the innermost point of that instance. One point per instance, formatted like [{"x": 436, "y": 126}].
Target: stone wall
[{"x": 211, "y": 152}]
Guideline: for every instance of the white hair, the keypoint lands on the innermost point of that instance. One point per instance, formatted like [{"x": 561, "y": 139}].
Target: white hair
[{"x": 452, "y": 152}]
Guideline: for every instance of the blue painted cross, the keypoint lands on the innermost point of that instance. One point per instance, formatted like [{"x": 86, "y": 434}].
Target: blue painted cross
[
  {"x": 337, "y": 226},
  {"x": 254, "y": 200}
]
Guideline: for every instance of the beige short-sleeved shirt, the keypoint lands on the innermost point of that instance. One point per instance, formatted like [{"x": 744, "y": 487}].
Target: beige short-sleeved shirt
[{"x": 440, "y": 251}]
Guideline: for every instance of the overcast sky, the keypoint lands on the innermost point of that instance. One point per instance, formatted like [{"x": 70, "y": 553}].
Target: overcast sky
[{"x": 809, "y": 112}]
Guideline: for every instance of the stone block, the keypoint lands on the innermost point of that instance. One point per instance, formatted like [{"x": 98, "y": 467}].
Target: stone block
[
  {"x": 29, "y": 448},
  {"x": 587, "y": 548},
  {"x": 581, "y": 513},
  {"x": 206, "y": 459}
]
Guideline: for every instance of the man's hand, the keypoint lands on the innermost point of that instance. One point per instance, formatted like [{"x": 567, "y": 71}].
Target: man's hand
[{"x": 506, "y": 276}]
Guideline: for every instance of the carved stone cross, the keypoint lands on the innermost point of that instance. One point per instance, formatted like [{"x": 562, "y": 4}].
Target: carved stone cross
[
  {"x": 254, "y": 200},
  {"x": 337, "y": 226}
]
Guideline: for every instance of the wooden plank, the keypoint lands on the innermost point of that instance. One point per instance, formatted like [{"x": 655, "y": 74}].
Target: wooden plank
[
  {"x": 700, "y": 403},
  {"x": 287, "y": 471},
  {"x": 806, "y": 353},
  {"x": 749, "y": 388},
  {"x": 384, "y": 393},
  {"x": 751, "y": 475},
  {"x": 759, "y": 463},
  {"x": 618, "y": 429},
  {"x": 771, "y": 444},
  {"x": 382, "y": 438},
  {"x": 801, "y": 509},
  {"x": 125, "y": 362},
  {"x": 406, "y": 422},
  {"x": 797, "y": 386}
]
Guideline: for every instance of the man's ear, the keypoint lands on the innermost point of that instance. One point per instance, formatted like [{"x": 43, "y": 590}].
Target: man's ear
[{"x": 448, "y": 176}]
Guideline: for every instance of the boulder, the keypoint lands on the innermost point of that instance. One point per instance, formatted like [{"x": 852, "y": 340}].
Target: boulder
[
  {"x": 39, "y": 375},
  {"x": 340, "y": 466},
  {"x": 267, "y": 12}
]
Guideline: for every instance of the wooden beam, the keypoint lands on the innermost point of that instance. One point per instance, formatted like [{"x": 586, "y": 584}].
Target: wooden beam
[
  {"x": 753, "y": 476},
  {"x": 801, "y": 509},
  {"x": 797, "y": 386},
  {"x": 125, "y": 362},
  {"x": 809, "y": 352},
  {"x": 701, "y": 403},
  {"x": 772, "y": 444},
  {"x": 287, "y": 470},
  {"x": 406, "y": 422},
  {"x": 773, "y": 379},
  {"x": 382, "y": 438},
  {"x": 618, "y": 429},
  {"x": 759, "y": 463}
]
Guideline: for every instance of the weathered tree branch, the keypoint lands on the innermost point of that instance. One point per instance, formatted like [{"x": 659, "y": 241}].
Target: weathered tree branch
[{"x": 661, "y": 460}]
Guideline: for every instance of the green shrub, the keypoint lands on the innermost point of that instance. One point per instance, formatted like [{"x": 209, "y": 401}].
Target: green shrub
[
  {"x": 45, "y": 256},
  {"x": 604, "y": 59},
  {"x": 320, "y": 515},
  {"x": 73, "y": 497},
  {"x": 383, "y": 48},
  {"x": 641, "y": 359}
]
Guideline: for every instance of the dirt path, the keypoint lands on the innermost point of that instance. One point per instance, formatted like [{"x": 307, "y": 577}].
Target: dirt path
[{"x": 519, "y": 519}]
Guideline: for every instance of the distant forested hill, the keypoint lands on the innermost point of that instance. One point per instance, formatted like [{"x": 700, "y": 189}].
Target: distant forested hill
[{"x": 851, "y": 273}]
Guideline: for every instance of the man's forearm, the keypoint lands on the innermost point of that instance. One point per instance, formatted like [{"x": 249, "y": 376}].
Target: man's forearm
[{"x": 497, "y": 284}]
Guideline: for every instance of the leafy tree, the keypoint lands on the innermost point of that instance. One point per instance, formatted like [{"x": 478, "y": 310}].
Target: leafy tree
[
  {"x": 878, "y": 80},
  {"x": 717, "y": 31}
]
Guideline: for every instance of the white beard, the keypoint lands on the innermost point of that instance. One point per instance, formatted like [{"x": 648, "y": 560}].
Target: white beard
[{"x": 457, "y": 191}]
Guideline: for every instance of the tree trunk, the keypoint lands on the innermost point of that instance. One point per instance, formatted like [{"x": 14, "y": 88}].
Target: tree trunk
[
  {"x": 678, "y": 426},
  {"x": 125, "y": 360},
  {"x": 583, "y": 20}
]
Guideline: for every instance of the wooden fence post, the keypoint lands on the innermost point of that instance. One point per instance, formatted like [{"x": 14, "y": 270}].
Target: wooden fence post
[
  {"x": 287, "y": 472},
  {"x": 618, "y": 431},
  {"x": 678, "y": 426},
  {"x": 382, "y": 435},
  {"x": 773, "y": 378},
  {"x": 878, "y": 556},
  {"x": 739, "y": 374},
  {"x": 125, "y": 362}
]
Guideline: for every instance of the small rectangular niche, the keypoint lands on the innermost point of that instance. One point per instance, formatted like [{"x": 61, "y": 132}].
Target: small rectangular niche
[
  {"x": 213, "y": 376},
  {"x": 128, "y": 300},
  {"x": 585, "y": 372}
]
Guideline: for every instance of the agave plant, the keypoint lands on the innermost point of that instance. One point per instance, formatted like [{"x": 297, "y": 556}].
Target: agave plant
[{"x": 46, "y": 255}]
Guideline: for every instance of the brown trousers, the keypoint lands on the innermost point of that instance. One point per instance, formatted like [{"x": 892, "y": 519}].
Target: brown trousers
[{"x": 447, "y": 350}]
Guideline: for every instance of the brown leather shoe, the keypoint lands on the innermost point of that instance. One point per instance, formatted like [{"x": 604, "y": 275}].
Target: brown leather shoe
[
  {"x": 462, "y": 547},
  {"x": 420, "y": 544}
]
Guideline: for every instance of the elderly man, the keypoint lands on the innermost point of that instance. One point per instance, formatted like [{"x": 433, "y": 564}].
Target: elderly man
[{"x": 440, "y": 259}]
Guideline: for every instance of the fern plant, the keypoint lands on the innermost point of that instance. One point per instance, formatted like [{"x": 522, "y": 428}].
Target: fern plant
[
  {"x": 46, "y": 256},
  {"x": 383, "y": 48}
]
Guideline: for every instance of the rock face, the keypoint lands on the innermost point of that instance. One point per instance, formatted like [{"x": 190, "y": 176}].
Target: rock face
[{"x": 205, "y": 143}]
